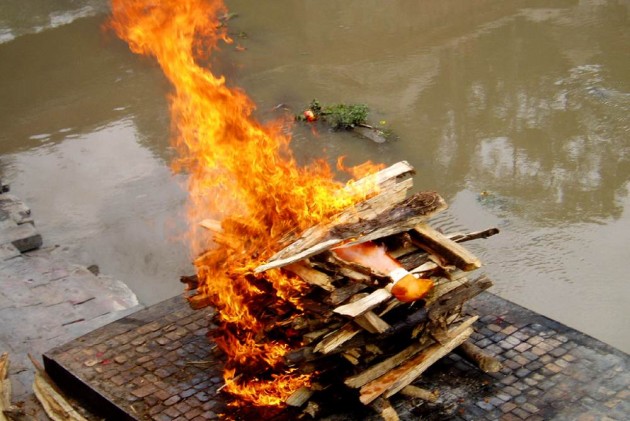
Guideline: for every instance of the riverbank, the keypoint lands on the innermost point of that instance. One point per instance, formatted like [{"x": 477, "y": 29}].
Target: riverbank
[{"x": 45, "y": 300}]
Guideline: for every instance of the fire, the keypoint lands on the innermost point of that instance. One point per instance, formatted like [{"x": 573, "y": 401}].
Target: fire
[{"x": 241, "y": 172}]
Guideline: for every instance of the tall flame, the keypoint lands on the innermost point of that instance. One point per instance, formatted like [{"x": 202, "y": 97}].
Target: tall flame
[{"x": 241, "y": 172}]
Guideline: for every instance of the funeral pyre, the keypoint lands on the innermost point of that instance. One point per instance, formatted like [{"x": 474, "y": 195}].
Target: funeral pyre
[{"x": 329, "y": 295}]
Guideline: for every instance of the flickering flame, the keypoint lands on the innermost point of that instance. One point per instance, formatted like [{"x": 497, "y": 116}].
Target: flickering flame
[{"x": 241, "y": 172}]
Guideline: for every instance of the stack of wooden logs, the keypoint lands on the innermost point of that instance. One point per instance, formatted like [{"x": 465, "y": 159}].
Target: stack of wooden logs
[{"x": 354, "y": 333}]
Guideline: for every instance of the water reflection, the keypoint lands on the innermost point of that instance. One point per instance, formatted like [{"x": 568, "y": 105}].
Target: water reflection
[{"x": 73, "y": 80}]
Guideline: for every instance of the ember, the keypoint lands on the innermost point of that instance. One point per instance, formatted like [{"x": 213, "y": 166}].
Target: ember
[{"x": 287, "y": 319}]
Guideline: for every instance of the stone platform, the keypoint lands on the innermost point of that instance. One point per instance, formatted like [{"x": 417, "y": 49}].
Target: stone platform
[
  {"x": 46, "y": 301},
  {"x": 158, "y": 364}
]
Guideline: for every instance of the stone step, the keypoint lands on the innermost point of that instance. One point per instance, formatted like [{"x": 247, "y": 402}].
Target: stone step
[{"x": 23, "y": 237}]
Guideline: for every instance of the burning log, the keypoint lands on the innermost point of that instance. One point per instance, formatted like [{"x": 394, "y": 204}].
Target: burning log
[{"x": 352, "y": 328}]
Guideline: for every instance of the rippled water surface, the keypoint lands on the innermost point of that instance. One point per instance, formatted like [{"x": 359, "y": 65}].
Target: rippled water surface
[{"x": 516, "y": 112}]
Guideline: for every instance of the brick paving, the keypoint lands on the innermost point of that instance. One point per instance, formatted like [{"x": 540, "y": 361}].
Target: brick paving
[{"x": 158, "y": 364}]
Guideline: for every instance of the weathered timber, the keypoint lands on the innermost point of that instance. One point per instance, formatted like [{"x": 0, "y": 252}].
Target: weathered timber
[
  {"x": 417, "y": 392},
  {"x": 418, "y": 207},
  {"x": 385, "y": 410},
  {"x": 5, "y": 386},
  {"x": 299, "y": 397},
  {"x": 393, "y": 381},
  {"x": 365, "y": 226},
  {"x": 336, "y": 338},
  {"x": 418, "y": 257},
  {"x": 427, "y": 359},
  {"x": 371, "y": 322},
  {"x": 387, "y": 186},
  {"x": 342, "y": 294},
  {"x": 486, "y": 362},
  {"x": 458, "y": 296},
  {"x": 438, "y": 244},
  {"x": 381, "y": 368},
  {"x": 54, "y": 403},
  {"x": 411, "y": 321},
  {"x": 371, "y": 133},
  {"x": 191, "y": 281},
  {"x": 367, "y": 303},
  {"x": 446, "y": 285},
  {"x": 461, "y": 238},
  {"x": 309, "y": 275}
]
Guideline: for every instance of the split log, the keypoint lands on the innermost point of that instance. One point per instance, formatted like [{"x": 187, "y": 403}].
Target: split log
[
  {"x": 310, "y": 276},
  {"x": 461, "y": 238},
  {"x": 458, "y": 296},
  {"x": 387, "y": 186},
  {"x": 372, "y": 323},
  {"x": 51, "y": 399},
  {"x": 366, "y": 303},
  {"x": 365, "y": 226},
  {"x": 323, "y": 236},
  {"x": 438, "y": 244},
  {"x": 385, "y": 409},
  {"x": 337, "y": 338},
  {"x": 419, "y": 257},
  {"x": 5, "y": 386},
  {"x": 299, "y": 397},
  {"x": 393, "y": 381},
  {"x": 342, "y": 294},
  {"x": 377, "y": 370},
  {"x": 486, "y": 362},
  {"x": 417, "y": 392}
]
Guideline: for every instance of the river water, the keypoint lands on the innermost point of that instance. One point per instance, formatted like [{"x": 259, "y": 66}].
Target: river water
[{"x": 516, "y": 112}]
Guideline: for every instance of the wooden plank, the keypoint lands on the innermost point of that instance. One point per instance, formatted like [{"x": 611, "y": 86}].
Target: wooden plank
[
  {"x": 342, "y": 294},
  {"x": 336, "y": 338},
  {"x": 5, "y": 386},
  {"x": 364, "y": 226},
  {"x": 51, "y": 399},
  {"x": 299, "y": 397},
  {"x": 311, "y": 276},
  {"x": 385, "y": 410},
  {"x": 397, "y": 378},
  {"x": 437, "y": 243},
  {"x": 365, "y": 304},
  {"x": 458, "y": 296},
  {"x": 387, "y": 186},
  {"x": 377, "y": 370},
  {"x": 371, "y": 322},
  {"x": 427, "y": 359},
  {"x": 391, "y": 188}
]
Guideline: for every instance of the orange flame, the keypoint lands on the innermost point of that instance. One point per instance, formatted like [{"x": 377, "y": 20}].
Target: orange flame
[{"x": 240, "y": 171}]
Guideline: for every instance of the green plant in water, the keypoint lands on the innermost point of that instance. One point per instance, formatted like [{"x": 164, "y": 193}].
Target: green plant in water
[
  {"x": 345, "y": 116},
  {"x": 339, "y": 116}
]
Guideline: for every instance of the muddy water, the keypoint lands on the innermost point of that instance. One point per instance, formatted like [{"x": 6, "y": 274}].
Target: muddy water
[{"x": 516, "y": 112}]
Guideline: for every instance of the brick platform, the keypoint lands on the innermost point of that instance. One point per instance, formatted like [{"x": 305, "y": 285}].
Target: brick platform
[{"x": 158, "y": 364}]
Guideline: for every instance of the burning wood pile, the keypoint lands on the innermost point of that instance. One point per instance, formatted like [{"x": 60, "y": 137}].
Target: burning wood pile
[
  {"x": 383, "y": 301},
  {"x": 365, "y": 300}
]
